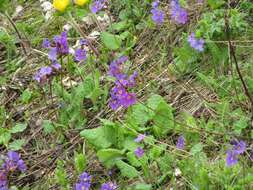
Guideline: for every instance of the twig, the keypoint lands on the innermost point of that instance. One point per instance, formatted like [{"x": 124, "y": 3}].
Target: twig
[
  {"x": 18, "y": 33},
  {"x": 232, "y": 53}
]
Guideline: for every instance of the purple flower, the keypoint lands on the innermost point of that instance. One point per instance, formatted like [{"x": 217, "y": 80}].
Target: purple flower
[
  {"x": 46, "y": 43},
  {"x": 231, "y": 158},
  {"x": 56, "y": 66},
  {"x": 180, "y": 142},
  {"x": 21, "y": 165},
  {"x": 52, "y": 54},
  {"x": 115, "y": 68},
  {"x": 132, "y": 79},
  {"x": 80, "y": 55},
  {"x": 139, "y": 138},
  {"x": 82, "y": 42},
  {"x": 85, "y": 177},
  {"x": 157, "y": 14},
  {"x": 197, "y": 44},
  {"x": 14, "y": 156},
  {"x": 178, "y": 14},
  {"x": 84, "y": 182},
  {"x": 4, "y": 187},
  {"x": 3, "y": 178},
  {"x": 82, "y": 186},
  {"x": 155, "y": 4},
  {"x": 42, "y": 75},
  {"x": 114, "y": 103},
  {"x": 239, "y": 147},
  {"x": 108, "y": 186},
  {"x": 128, "y": 99},
  {"x": 61, "y": 43},
  {"x": 98, "y": 5},
  {"x": 139, "y": 152}
]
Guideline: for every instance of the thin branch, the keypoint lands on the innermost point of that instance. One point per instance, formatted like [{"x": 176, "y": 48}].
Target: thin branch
[
  {"x": 16, "y": 29},
  {"x": 232, "y": 53}
]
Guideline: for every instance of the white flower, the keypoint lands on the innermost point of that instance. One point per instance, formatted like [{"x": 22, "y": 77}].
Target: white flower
[
  {"x": 177, "y": 172},
  {"x": 19, "y": 8},
  {"x": 67, "y": 27},
  {"x": 94, "y": 34},
  {"x": 47, "y": 6}
]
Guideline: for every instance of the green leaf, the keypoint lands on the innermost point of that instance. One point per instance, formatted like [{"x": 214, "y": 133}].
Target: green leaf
[
  {"x": 143, "y": 186},
  {"x": 154, "y": 101},
  {"x": 109, "y": 156},
  {"x": 111, "y": 41},
  {"x": 163, "y": 119},
  {"x": 80, "y": 162},
  {"x": 139, "y": 114},
  {"x": 26, "y": 96},
  {"x": 19, "y": 127},
  {"x": 48, "y": 127},
  {"x": 131, "y": 157},
  {"x": 119, "y": 26},
  {"x": 197, "y": 148},
  {"x": 214, "y": 4},
  {"x": 5, "y": 137},
  {"x": 16, "y": 145},
  {"x": 99, "y": 137},
  {"x": 126, "y": 169}
]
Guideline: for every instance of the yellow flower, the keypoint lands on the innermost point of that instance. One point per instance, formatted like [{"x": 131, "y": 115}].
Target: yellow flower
[
  {"x": 81, "y": 2},
  {"x": 60, "y": 5}
]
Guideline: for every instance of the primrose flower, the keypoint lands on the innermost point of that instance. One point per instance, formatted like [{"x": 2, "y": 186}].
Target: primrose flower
[
  {"x": 11, "y": 163},
  {"x": 42, "y": 75},
  {"x": 60, "y": 5},
  {"x": 231, "y": 158},
  {"x": 80, "y": 55},
  {"x": 81, "y": 2},
  {"x": 139, "y": 152},
  {"x": 178, "y": 14},
  {"x": 61, "y": 43},
  {"x": 120, "y": 95},
  {"x": 157, "y": 14},
  {"x": 180, "y": 142},
  {"x": 3, "y": 178},
  {"x": 84, "y": 182},
  {"x": 115, "y": 68},
  {"x": 139, "y": 138},
  {"x": 108, "y": 186},
  {"x": 98, "y": 5},
  {"x": 239, "y": 147},
  {"x": 197, "y": 44}
]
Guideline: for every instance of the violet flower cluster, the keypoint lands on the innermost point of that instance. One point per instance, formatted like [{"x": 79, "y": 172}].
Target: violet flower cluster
[
  {"x": 239, "y": 147},
  {"x": 108, "y": 186},
  {"x": 157, "y": 14},
  {"x": 195, "y": 43},
  {"x": 84, "y": 183},
  {"x": 180, "y": 142},
  {"x": 120, "y": 95},
  {"x": 58, "y": 48},
  {"x": 98, "y": 5},
  {"x": 178, "y": 14},
  {"x": 139, "y": 152},
  {"x": 12, "y": 163}
]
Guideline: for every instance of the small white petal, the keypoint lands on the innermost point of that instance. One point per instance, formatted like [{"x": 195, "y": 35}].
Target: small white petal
[
  {"x": 177, "y": 172},
  {"x": 47, "y": 6},
  {"x": 67, "y": 27},
  {"x": 19, "y": 8}
]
